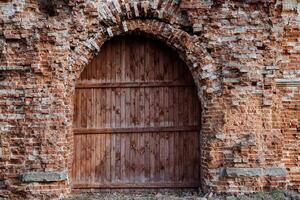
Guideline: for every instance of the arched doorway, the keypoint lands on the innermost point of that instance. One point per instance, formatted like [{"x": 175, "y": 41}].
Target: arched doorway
[{"x": 136, "y": 119}]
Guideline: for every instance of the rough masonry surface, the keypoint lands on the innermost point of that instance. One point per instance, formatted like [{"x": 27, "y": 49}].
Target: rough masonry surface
[{"x": 243, "y": 55}]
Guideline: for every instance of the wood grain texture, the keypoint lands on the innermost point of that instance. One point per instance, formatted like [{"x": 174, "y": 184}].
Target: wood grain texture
[{"x": 136, "y": 119}]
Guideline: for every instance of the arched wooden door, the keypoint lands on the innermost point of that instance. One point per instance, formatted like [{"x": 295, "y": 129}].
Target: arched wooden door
[{"x": 137, "y": 119}]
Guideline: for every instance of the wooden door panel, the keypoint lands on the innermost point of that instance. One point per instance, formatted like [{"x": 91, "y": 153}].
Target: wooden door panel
[
  {"x": 133, "y": 158},
  {"x": 136, "y": 119},
  {"x": 135, "y": 107}
]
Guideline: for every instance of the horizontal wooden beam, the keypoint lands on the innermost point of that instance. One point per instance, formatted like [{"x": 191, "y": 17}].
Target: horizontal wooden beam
[
  {"x": 135, "y": 185},
  {"x": 85, "y": 85},
  {"x": 135, "y": 130}
]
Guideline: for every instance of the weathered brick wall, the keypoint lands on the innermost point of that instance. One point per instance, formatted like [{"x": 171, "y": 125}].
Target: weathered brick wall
[
  {"x": 287, "y": 122},
  {"x": 244, "y": 57}
]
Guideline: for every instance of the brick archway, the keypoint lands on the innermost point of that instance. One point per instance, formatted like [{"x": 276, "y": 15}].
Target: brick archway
[
  {"x": 136, "y": 119},
  {"x": 199, "y": 62}
]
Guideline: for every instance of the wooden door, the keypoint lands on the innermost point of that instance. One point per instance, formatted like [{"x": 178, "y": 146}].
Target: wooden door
[{"x": 137, "y": 119}]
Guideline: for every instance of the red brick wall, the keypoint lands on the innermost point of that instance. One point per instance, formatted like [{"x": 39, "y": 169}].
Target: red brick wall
[
  {"x": 288, "y": 122},
  {"x": 244, "y": 58}
]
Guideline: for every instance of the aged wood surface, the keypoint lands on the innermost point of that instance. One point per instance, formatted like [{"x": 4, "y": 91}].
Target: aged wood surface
[{"x": 137, "y": 119}]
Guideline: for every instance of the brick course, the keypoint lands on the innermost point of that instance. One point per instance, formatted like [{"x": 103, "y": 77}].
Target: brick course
[{"x": 243, "y": 55}]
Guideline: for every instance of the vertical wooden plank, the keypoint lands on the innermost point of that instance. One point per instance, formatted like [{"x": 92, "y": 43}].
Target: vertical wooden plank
[
  {"x": 161, "y": 110},
  {"x": 186, "y": 157},
  {"x": 107, "y": 153},
  {"x": 103, "y": 109},
  {"x": 93, "y": 158},
  {"x": 122, "y": 108},
  {"x": 186, "y": 105},
  {"x": 128, "y": 113},
  {"x": 162, "y": 157},
  {"x": 127, "y": 107},
  {"x": 147, "y": 68},
  {"x": 152, "y": 107},
  {"x": 157, "y": 107},
  {"x": 117, "y": 59},
  {"x": 151, "y": 64},
  {"x": 141, "y": 104},
  {"x": 131, "y": 61},
  {"x": 127, "y": 54},
  {"x": 83, "y": 158},
  {"x": 109, "y": 63},
  {"x": 97, "y": 161},
  {"x": 88, "y": 157},
  {"x": 127, "y": 178},
  {"x": 176, "y": 158},
  {"x": 77, "y": 110},
  {"x": 156, "y": 65},
  {"x": 101, "y": 171},
  {"x": 191, "y": 106},
  {"x": 136, "y": 59},
  {"x": 122, "y": 60},
  {"x": 147, "y": 115},
  {"x": 157, "y": 157},
  {"x": 108, "y": 137},
  {"x": 142, "y": 149},
  {"x": 133, "y": 155},
  {"x": 167, "y": 157},
  {"x": 187, "y": 144},
  {"x": 118, "y": 157},
  {"x": 108, "y": 111},
  {"x": 137, "y": 160},
  {"x": 147, "y": 72},
  {"x": 118, "y": 124},
  {"x": 172, "y": 157},
  {"x": 147, "y": 157},
  {"x": 95, "y": 107},
  {"x": 77, "y": 150},
  {"x": 192, "y": 144},
  {"x": 136, "y": 120},
  {"x": 181, "y": 156},
  {"x": 152, "y": 148},
  {"x": 89, "y": 111},
  {"x": 103, "y": 64},
  {"x": 176, "y": 106},
  {"x": 96, "y": 119},
  {"x": 80, "y": 162},
  {"x": 142, "y": 58},
  {"x": 83, "y": 108},
  {"x": 113, "y": 157},
  {"x": 123, "y": 158},
  {"x": 113, "y": 108}
]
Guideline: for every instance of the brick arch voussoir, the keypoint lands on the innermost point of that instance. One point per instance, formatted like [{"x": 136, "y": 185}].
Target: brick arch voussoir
[
  {"x": 188, "y": 47},
  {"x": 115, "y": 11}
]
